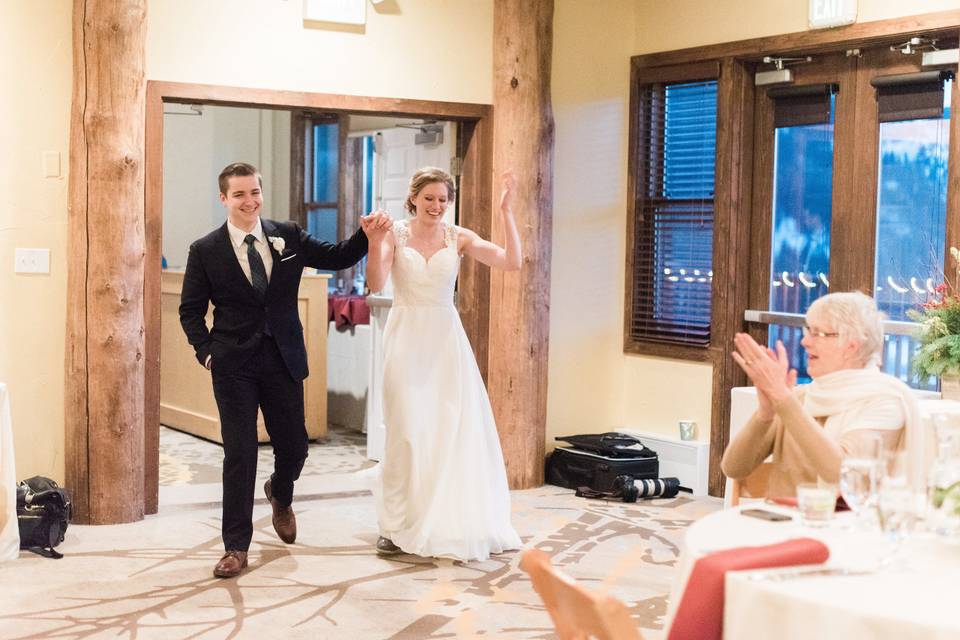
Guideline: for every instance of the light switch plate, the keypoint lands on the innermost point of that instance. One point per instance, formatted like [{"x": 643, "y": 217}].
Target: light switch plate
[
  {"x": 51, "y": 164},
  {"x": 31, "y": 261}
]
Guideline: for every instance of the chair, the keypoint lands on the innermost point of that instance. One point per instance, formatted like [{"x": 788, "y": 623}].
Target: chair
[
  {"x": 753, "y": 486},
  {"x": 577, "y": 612}
]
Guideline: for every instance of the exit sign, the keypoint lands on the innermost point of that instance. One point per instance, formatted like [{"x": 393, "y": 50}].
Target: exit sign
[{"x": 832, "y": 13}]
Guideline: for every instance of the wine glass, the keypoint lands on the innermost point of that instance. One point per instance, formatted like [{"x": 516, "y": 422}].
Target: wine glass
[
  {"x": 859, "y": 472},
  {"x": 895, "y": 503}
]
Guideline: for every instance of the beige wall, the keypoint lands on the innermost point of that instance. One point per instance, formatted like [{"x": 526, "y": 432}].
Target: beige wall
[
  {"x": 35, "y": 77},
  {"x": 425, "y": 49}
]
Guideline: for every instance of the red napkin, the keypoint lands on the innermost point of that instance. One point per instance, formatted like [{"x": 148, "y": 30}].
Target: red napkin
[
  {"x": 700, "y": 614},
  {"x": 347, "y": 310}
]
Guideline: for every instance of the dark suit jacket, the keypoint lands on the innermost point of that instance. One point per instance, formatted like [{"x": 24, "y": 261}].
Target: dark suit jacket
[{"x": 239, "y": 317}]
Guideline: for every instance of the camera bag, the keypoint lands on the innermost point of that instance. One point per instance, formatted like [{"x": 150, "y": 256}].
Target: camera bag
[
  {"x": 43, "y": 511},
  {"x": 573, "y": 468}
]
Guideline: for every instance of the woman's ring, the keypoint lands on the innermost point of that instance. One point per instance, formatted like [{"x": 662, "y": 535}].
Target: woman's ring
[{"x": 748, "y": 361}]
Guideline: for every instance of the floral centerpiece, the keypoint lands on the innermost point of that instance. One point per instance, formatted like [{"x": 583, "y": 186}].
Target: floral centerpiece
[{"x": 939, "y": 332}]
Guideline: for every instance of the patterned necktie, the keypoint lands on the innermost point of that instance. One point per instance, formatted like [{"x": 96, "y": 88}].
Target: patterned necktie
[{"x": 258, "y": 274}]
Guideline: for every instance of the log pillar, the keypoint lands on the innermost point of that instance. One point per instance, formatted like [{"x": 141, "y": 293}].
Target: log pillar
[
  {"x": 520, "y": 301},
  {"x": 105, "y": 325}
]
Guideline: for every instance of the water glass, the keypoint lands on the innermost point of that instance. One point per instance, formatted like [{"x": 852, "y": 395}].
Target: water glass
[
  {"x": 858, "y": 482},
  {"x": 816, "y": 503},
  {"x": 859, "y": 474}
]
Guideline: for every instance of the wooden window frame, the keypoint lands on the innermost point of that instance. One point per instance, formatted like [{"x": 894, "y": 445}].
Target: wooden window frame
[
  {"x": 734, "y": 182},
  {"x": 641, "y": 78}
]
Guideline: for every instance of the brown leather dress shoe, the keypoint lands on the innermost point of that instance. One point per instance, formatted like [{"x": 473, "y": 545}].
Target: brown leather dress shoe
[
  {"x": 284, "y": 521},
  {"x": 231, "y": 564}
]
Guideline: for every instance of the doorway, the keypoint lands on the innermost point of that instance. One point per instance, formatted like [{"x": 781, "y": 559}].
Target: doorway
[
  {"x": 472, "y": 136},
  {"x": 850, "y": 192}
]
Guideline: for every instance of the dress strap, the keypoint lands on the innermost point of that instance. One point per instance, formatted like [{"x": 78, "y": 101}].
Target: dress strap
[
  {"x": 450, "y": 235},
  {"x": 402, "y": 231}
]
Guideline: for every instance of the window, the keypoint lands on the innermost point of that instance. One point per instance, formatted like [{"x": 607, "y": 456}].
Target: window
[
  {"x": 803, "y": 120},
  {"x": 914, "y": 114},
  {"x": 332, "y": 184},
  {"x": 669, "y": 294}
]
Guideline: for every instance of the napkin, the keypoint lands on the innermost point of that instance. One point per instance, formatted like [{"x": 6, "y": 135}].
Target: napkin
[{"x": 700, "y": 614}]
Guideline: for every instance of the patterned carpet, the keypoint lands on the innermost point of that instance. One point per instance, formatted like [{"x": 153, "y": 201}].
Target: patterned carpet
[{"x": 152, "y": 579}]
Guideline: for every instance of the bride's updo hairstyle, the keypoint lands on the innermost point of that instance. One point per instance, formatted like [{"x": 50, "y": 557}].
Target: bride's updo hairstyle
[
  {"x": 423, "y": 177},
  {"x": 855, "y": 317}
]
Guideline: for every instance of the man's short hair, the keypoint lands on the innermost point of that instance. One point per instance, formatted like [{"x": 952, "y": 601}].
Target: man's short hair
[{"x": 237, "y": 169}]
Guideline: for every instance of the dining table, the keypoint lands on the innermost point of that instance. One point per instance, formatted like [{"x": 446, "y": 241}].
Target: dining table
[{"x": 870, "y": 587}]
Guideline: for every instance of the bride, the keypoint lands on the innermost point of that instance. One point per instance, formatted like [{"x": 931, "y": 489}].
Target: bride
[{"x": 443, "y": 484}]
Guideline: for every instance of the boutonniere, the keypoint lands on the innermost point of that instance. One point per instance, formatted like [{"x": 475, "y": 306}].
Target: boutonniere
[{"x": 278, "y": 243}]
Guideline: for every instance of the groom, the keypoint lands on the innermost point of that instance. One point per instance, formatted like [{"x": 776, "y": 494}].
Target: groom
[{"x": 250, "y": 270}]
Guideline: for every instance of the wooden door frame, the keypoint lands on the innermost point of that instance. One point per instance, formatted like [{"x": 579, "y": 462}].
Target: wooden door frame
[{"x": 475, "y": 202}]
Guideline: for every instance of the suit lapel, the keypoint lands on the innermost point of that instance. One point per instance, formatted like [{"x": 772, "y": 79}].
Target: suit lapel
[
  {"x": 228, "y": 256},
  {"x": 270, "y": 230}
]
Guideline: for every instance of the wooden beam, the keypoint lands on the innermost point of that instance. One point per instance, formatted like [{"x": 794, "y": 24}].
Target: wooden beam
[
  {"x": 732, "y": 224},
  {"x": 859, "y": 35},
  {"x": 105, "y": 319},
  {"x": 520, "y": 301},
  {"x": 474, "y": 142}
]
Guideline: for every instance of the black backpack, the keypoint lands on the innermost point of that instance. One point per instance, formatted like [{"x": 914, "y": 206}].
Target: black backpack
[{"x": 43, "y": 511}]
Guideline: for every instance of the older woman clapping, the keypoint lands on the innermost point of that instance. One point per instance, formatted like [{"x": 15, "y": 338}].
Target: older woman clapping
[{"x": 809, "y": 428}]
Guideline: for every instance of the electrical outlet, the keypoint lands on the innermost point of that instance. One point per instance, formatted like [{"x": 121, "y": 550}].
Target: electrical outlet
[{"x": 31, "y": 261}]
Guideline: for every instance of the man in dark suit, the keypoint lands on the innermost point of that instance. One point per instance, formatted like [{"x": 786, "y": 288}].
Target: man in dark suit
[{"x": 250, "y": 270}]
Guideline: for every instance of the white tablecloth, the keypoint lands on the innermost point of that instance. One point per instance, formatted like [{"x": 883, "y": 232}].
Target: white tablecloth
[
  {"x": 9, "y": 533},
  {"x": 915, "y": 598}
]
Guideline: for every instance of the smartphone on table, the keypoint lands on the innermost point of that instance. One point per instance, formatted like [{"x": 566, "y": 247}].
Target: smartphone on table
[{"x": 763, "y": 514}]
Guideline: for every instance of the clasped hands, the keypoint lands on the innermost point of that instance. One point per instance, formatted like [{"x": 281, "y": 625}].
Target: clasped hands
[
  {"x": 376, "y": 225},
  {"x": 769, "y": 371}
]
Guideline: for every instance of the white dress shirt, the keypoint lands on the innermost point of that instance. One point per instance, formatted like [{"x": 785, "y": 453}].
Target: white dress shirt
[{"x": 240, "y": 248}]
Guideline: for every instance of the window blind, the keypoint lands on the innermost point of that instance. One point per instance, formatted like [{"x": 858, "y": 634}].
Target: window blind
[{"x": 673, "y": 243}]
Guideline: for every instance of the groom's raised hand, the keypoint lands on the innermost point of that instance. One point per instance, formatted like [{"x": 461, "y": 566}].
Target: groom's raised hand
[{"x": 376, "y": 225}]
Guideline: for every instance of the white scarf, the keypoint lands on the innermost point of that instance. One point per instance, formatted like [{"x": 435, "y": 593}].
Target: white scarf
[{"x": 840, "y": 396}]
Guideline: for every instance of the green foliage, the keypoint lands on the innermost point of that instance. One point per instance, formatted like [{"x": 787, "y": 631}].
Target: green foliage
[{"x": 939, "y": 336}]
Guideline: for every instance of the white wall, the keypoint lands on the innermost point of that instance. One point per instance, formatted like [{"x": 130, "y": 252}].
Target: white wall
[{"x": 195, "y": 150}]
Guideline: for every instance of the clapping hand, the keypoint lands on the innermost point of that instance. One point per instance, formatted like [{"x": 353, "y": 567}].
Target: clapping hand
[
  {"x": 769, "y": 371},
  {"x": 376, "y": 225}
]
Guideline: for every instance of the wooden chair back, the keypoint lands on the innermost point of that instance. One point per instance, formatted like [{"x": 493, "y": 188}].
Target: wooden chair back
[{"x": 577, "y": 612}]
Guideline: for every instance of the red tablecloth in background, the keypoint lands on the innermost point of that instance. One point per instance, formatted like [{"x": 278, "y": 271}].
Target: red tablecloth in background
[{"x": 347, "y": 310}]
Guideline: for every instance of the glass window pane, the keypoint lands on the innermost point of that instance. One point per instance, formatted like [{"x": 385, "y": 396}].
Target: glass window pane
[
  {"x": 326, "y": 174},
  {"x": 911, "y": 223},
  {"x": 322, "y": 224},
  {"x": 802, "y": 213}
]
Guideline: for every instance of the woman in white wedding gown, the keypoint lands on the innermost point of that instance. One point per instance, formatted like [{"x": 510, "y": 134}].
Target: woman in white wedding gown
[{"x": 443, "y": 489}]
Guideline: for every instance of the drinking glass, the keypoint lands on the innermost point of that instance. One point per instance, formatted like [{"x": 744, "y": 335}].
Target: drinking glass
[
  {"x": 895, "y": 503},
  {"x": 816, "y": 503},
  {"x": 859, "y": 473}
]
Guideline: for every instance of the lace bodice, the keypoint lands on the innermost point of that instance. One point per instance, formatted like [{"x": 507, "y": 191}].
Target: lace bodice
[{"x": 421, "y": 282}]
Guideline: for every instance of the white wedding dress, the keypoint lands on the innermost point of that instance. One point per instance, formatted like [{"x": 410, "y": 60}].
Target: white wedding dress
[{"x": 443, "y": 486}]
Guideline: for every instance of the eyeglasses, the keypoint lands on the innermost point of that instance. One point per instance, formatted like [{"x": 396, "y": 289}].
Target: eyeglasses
[{"x": 808, "y": 332}]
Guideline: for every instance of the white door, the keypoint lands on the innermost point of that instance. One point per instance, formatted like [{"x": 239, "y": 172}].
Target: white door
[{"x": 396, "y": 158}]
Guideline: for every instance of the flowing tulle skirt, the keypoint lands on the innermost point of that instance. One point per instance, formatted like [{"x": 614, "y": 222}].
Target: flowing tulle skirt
[{"x": 443, "y": 486}]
